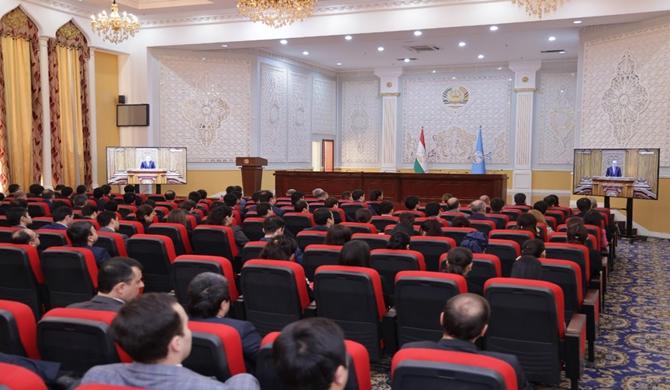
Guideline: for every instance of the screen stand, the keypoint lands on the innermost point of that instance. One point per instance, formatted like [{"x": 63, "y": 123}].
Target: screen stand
[
  {"x": 158, "y": 189},
  {"x": 607, "y": 202},
  {"x": 629, "y": 234}
]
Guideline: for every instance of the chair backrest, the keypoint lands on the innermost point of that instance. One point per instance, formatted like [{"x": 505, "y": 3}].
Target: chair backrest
[
  {"x": 214, "y": 240},
  {"x": 275, "y": 293},
  {"x": 350, "y": 210},
  {"x": 360, "y": 227},
  {"x": 499, "y": 219},
  {"x": 557, "y": 214},
  {"x": 419, "y": 299},
  {"x": 251, "y": 250},
  {"x": 296, "y": 222},
  {"x": 416, "y": 213},
  {"x": 449, "y": 215},
  {"x": 156, "y": 254},
  {"x": 18, "y": 330},
  {"x": 21, "y": 275},
  {"x": 381, "y": 221},
  {"x": 520, "y": 236},
  {"x": 388, "y": 262},
  {"x": 374, "y": 241},
  {"x": 506, "y": 250},
  {"x": 430, "y": 369},
  {"x": 112, "y": 242},
  {"x": 573, "y": 252},
  {"x": 568, "y": 276},
  {"x": 483, "y": 225},
  {"x": 316, "y": 255},
  {"x": 38, "y": 222},
  {"x": 484, "y": 267},
  {"x": 71, "y": 274},
  {"x": 78, "y": 339},
  {"x": 130, "y": 228},
  {"x": 17, "y": 377},
  {"x": 39, "y": 209},
  {"x": 126, "y": 209},
  {"x": 307, "y": 237},
  {"x": 432, "y": 248},
  {"x": 177, "y": 232},
  {"x": 186, "y": 267},
  {"x": 216, "y": 350},
  {"x": 457, "y": 233},
  {"x": 253, "y": 228},
  {"x": 339, "y": 215},
  {"x": 52, "y": 237}
]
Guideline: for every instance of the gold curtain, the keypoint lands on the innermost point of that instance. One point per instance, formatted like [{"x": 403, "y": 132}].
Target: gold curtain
[
  {"x": 70, "y": 121},
  {"x": 19, "y": 110}
]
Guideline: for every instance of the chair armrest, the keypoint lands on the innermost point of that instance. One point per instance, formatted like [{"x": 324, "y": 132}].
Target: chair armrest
[
  {"x": 390, "y": 331},
  {"x": 575, "y": 347},
  {"x": 591, "y": 308}
]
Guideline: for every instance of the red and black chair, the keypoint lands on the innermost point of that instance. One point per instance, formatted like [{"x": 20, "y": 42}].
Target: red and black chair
[
  {"x": 360, "y": 227},
  {"x": 520, "y": 236},
  {"x": 251, "y": 250},
  {"x": 18, "y": 330},
  {"x": 499, "y": 219},
  {"x": 39, "y": 222},
  {"x": 112, "y": 242},
  {"x": 350, "y": 209},
  {"x": 21, "y": 277},
  {"x": 381, "y": 221},
  {"x": 253, "y": 228},
  {"x": 558, "y": 215},
  {"x": 388, "y": 262},
  {"x": 316, "y": 255},
  {"x": 506, "y": 250},
  {"x": 457, "y": 233},
  {"x": 296, "y": 222},
  {"x": 358, "y": 364},
  {"x": 52, "y": 237},
  {"x": 574, "y": 252},
  {"x": 214, "y": 240},
  {"x": 512, "y": 213},
  {"x": 484, "y": 267},
  {"x": 130, "y": 228},
  {"x": 275, "y": 293},
  {"x": 374, "y": 241},
  {"x": 362, "y": 315},
  {"x": 308, "y": 237},
  {"x": 186, "y": 267},
  {"x": 431, "y": 369},
  {"x": 70, "y": 274},
  {"x": 78, "y": 339},
  {"x": 432, "y": 248},
  {"x": 419, "y": 299},
  {"x": 527, "y": 320},
  {"x": 216, "y": 350},
  {"x": 18, "y": 378},
  {"x": 39, "y": 209},
  {"x": 126, "y": 209},
  {"x": 177, "y": 233},
  {"x": 156, "y": 254},
  {"x": 339, "y": 215},
  {"x": 450, "y": 215}
]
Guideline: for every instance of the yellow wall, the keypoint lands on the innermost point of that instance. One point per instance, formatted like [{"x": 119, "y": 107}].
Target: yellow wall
[
  {"x": 106, "y": 95},
  {"x": 217, "y": 181}
]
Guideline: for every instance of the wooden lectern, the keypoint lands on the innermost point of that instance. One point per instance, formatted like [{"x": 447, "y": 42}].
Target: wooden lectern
[{"x": 252, "y": 172}]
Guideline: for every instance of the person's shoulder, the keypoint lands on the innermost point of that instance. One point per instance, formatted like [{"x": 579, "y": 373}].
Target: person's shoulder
[
  {"x": 102, "y": 374},
  {"x": 421, "y": 344},
  {"x": 187, "y": 379}
]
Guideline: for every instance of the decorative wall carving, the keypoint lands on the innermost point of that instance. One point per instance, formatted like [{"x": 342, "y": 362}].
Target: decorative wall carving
[
  {"x": 626, "y": 89},
  {"x": 299, "y": 118},
  {"x": 205, "y": 105},
  {"x": 273, "y": 113},
  {"x": 556, "y": 117},
  {"x": 324, "y": 105},
  {"x": 361, "y": 122},
  {"x": 451, "y": 111}
]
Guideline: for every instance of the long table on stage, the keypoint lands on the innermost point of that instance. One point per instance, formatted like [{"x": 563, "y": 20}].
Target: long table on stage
[{"x": 396, "y": 186}]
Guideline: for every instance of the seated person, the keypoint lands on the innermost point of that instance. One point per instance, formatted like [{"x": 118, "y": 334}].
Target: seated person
[
  {"x": 264, "y": 210},
  {"x": 296, "y": 196},
  {"x": 478, "y": 209},
  {"x": 26, "y": 237},
  {"x": 346, "y": 196},
  {"x": 432, "y": 209},
  {"x": 459, "y": 261},
  {"x": 82, "y": 234},
  {"x": 268, "y": 197},
  {"x": 398, "y": 240},
  {"x": 18, "y": 217},
  {"x": 301, "y": 206},
  {"x": 497, "y": 205},
  {"x": 520, "y": 199},
  {"x": 223, "y": 216},
  {"x": 320, "y": 194},
  {"x": 539, "y": 217},
  {"x": 358, "y": 195},
  {"x": 528, "y": 222},
  {"x": 209, "y": 301},
  {"x": 487, "y": 201},
  {"x": 376, "y": 196},
  {"x": 310, "y": 354},
  {"x": 465, "y": 319},
  {"x": 79, "y": 201},
  {"x": 453, "y": 205},
  {"x": 179, "y": 216},
  {"x": 363, "y": 215},
  {"x": 460, "y": 222},
  {"x": 279, "y": 248},
  {"x": 109, "y": 222},
  {"x": 386, "y": 208},
  {"x": 323, "y": 220},
  {"x": 577, "y": 234},
  {"x": 412, "y": 203},
  {"x": 431, "y": 228},
  {"x": 527, "y": 267},
  {"x": 148, "y": 163},
  {"x": 272, "y": 227},
  {"x": 145, "y": 215},
  {"x": 541, "y": 206},
  {"x": 584, "y": 205},
  {"x": 153, "y": 330},
  {"x": 405, "y": 224},
  {"x": 355, "y": 253},
  {"x": 63, "y": 217},
  {"x": 534, "y": 247},
  {"x": 89, "y": 212},
  {"x": 338, "y": 235},
  {"x": 119, "y": 281}
]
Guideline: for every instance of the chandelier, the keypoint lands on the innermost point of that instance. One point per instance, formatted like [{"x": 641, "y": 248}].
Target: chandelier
[
  {"x": 276, "y": 13},
  {"x": 539, "y": 7},
  {"x": 115, "y": 27}
]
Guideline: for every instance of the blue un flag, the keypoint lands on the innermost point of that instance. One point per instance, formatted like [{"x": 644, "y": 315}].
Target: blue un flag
[{"x": 479, "y": 159}]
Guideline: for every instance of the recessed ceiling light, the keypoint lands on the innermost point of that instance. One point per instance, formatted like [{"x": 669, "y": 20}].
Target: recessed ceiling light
[
  {"x": 493, "y": 28},
  {"x": 305, "y": 53},
  {"x": 406, "y": 60},
  {"x": 283, "y": 41},
  {"x": 500, "y": 68},
  {"x": 348, "y": 37},
  {"x": 552, "y": 38},
  {"x": 462, "y": 44},
  {"x": 561, "y": 52},
  {"x": 339, "y": 64},
  {"x": 434, "y": 71},
  {"x": 577, "y": 22},
  {"x": 203, "y": 58},
  {"x": 380, "y": 48},
  {"x": 453, "y": 77},
  {"x": 481, "y": 56},
  {"x": 418, "y": 33},
  {"x": 224, "y": 45},
  {"x": 509, "y": 79}
]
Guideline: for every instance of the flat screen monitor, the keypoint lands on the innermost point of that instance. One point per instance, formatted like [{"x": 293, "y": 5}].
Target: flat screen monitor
[
  {"x": 146, "y": 165},
  {"x": 132, "y": 115},
  {"x": 618, "y": 173}
]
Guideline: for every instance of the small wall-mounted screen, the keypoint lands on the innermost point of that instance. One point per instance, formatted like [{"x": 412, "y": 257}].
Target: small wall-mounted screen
[{"x": 132, "y": 115}]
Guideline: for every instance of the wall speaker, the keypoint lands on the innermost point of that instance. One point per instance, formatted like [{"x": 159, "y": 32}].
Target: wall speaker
[{"x": 122, "y": 99}]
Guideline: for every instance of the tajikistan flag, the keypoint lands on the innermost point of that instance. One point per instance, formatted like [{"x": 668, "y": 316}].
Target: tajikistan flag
[{"x": 420, "y": 165}]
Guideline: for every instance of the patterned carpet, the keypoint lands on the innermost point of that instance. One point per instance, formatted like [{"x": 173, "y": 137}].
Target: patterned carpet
[{"x": 633, "y": 348}]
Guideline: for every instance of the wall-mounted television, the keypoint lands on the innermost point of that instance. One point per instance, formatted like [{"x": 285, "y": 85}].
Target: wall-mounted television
[
  {"x": 132, "y": 115},
  {"x": 146, "y": 165},
  {"x": 618, "y": 173}
]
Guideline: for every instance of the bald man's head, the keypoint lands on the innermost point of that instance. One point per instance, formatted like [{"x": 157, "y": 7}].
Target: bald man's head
[
  {"x": 453, "y": 203},
  {"x": 465, "y": 316},
  {"x": 478, "y": 206}
]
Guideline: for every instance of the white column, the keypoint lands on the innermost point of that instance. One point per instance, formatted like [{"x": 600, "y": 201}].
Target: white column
[
  {"x": 390, "y": 91},
  {"x": 524, "y": 85},
  {"x": 92, "y": 125},
  {"x": 46, "y": 113}
]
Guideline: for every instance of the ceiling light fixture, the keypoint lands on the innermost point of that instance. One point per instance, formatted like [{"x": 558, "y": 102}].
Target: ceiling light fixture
[
  {"x": 305, "y": 53},
  {"x": 224, "y": 45},
  {"x": 380, "y": 49},
  {"x": 453, "y": 77},
  {"x": 418, "y": 33},
  {"x": 500, "y": 68},
  {"x": 406, "y": 60},
  {"x": 493, "y": 28},
  {"x": 577, "y": 22},
  {"x": 481, "y": 56},
  {"x": 462, "y": 44},
  {"x": 348, "y": 37},
  {"x": 115, "y": 27},
  {"x": 539, "y": 7},
  {"x": 561, "y": 52},
  {"x": 276, "y": 13},
  {"x": 283, "y": 42},
  {"x": 552, "y": 38},
  {"x": 434, "y": 71},
  {"x": 339, "y": 64}
]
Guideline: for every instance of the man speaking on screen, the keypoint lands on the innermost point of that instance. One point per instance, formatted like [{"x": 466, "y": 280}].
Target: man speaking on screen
[
  {"x": 148, "y": 163},
  {"x": 614, "y": 170}
]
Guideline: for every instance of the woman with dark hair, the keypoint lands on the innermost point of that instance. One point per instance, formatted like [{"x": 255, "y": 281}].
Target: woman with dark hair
[
  {"x": 527, "y": 267},
  {"x": 460, "y": 222},
  {"x": 459, "y": 261},
  {"x": 398, "y": 240},
  {"x": 355, "y": 253},
  {"x": 145, "y": 215},
  {"x": 209, "y": 301},
  {"x": 338, "y": 235},
  {"x": 577, "y": 234},
  {"x": 179, "y": 216},
  {"x": 280, "y": 248},
  {"x": 432, "y": 228},
  {"x": 223, "y": 216},
  {"x": 528, "y": 222}
]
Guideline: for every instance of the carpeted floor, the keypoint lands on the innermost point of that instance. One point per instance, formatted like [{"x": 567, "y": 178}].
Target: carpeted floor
[{"x": 633, "y": 348}]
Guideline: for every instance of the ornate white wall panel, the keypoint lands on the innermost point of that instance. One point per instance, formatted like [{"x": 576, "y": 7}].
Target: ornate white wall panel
[
  {"x": 205, "y": 105},
  {"x": 299, "y": 118},
  {"x": 626, "y": 89},
  {"x": 361, "y": 122},
  {"x": 324, "y": 105},
  {"x": 524, "y": 125},
  {"x": 273, "y": 113},
  {"x": 556, "y": 117},
  {"x": 451, "y": 111}
]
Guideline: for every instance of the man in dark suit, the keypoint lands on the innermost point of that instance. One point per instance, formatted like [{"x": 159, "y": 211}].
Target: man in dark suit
[
  {"x": 464, "y": 319},
  {"x": 478, "y": 209},
  {"x": 109, "y": 222},
  {"x": 148, "y": 163},
  {"x": 613, "y": 170},
  {"x": 63, "y": 217},
  {"x": 82, "y": 234},
  {"x": 119, "y": 281},
  {"x": 323, "y": 220}
]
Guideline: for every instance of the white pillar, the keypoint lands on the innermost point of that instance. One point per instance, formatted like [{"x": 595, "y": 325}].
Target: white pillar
[
  {"x": 390, "y": 91},
  {"x": 524, "y": 85},
  {"x": 46, "y": 113},
  {"x": 92, "y": 125}
]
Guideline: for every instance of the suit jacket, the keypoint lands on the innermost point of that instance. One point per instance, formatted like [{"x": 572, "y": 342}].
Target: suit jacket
[
  {"x": 240, "y": 238},
  {"x": 466, "y": 346},
  {"x": 54, "y": 226},
  {"x": 98, "y": 302},
  {"x": 251, "y": 339},
  {"x": 148, "y": 165},
  {"x": 163, "y": 376},
  {"x": 48, "y": 371},
  {"x": 616, "y": 172}
]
